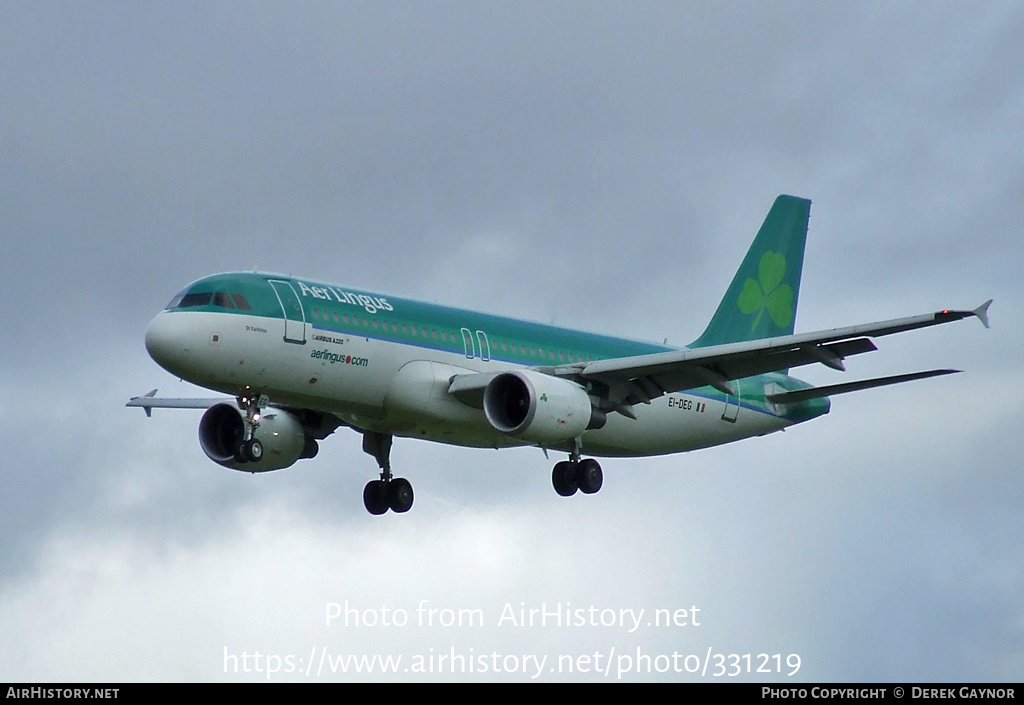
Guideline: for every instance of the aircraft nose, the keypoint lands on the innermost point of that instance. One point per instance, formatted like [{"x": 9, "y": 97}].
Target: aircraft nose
[{"x": 166, "y": 343}]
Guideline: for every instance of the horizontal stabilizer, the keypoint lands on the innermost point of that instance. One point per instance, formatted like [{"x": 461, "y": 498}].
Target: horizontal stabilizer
[{"x": 827, "y": 391}]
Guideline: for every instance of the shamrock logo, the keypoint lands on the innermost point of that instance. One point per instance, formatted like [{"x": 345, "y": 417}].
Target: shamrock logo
[{"x": 769, "y": 293}]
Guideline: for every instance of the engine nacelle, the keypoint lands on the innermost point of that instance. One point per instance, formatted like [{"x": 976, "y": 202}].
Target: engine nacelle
[
  {"x": 284, "y": 440},
  {"x": 539, "y": 408}
]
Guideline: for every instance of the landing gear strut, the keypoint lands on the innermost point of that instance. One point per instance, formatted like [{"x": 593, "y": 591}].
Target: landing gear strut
[
  {"x": 576, "y": 474},
  {"x": 394, "y": 493},
  {"x": 249, "y": 449}
]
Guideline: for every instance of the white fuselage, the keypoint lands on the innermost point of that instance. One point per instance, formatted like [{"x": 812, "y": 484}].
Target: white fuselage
[{"x": 402, "y": 390}]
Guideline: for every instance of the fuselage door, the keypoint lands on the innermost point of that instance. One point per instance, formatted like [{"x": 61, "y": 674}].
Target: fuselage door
[
  {"x": 485, "y": 348},
  {"x": 294, "y": 317},
  {"x": 467, "y": 342},
  {"x": 732, "y": 405}
]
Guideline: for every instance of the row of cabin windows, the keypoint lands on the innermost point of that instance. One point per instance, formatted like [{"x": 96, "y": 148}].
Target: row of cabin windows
[
  {"x": 323, "y": 314},
  {"x": 521, "y": 349}
]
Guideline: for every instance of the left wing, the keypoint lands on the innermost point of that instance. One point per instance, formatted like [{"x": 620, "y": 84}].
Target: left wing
[
  {"x": 150, "y": 401},
  {"x": 622, "y": 382}
]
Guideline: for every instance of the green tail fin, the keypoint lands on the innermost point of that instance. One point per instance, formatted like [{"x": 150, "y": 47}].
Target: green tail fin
[{"x": 761, "y": 301}]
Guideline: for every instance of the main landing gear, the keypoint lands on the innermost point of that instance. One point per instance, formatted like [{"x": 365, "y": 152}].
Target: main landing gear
[
  {"x": 394, "y": 493},
  {"x": 576, "y": 474}
]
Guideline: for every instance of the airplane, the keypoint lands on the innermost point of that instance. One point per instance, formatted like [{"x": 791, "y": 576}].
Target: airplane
[{"x": 299, "y": 359}]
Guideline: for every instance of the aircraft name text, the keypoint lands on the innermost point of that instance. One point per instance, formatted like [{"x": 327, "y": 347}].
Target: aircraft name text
[{"x": 371, "y": 304}]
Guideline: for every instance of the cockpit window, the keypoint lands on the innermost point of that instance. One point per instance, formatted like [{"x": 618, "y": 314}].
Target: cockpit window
[
  {"x": 223, "y": 300},
  {"x": 175, "y": 302},
  {"x": 196, "y": 299}
]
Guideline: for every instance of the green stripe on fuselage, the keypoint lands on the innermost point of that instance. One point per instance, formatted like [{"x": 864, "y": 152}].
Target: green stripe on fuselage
[{"x": 375, "y": 320}]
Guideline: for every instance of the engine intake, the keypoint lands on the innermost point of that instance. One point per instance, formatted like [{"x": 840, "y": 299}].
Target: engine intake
[
  {"x": 539, "y": 408},
  {"x": 284, "y": 441}
]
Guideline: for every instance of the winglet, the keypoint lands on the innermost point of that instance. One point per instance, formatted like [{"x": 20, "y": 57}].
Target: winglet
[{"x": 982, "y": 312}]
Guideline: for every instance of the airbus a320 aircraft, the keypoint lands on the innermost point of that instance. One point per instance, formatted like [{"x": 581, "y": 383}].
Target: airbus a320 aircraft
[{"x": 299, "y": 359}]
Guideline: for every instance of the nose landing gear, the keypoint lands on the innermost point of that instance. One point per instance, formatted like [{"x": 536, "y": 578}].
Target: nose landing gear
[{"x": 249, "y": 448}]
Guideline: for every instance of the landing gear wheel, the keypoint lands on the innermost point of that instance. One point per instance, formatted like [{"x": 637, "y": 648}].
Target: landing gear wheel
[
  {"x": 565, "y": 479},
  {"x": 250, "y": 451},
  {"x": 590, "y": 476},
  {"x": 253, "y": 450},
  {"x": 375, "y": 497},
  {"x": 400, "y": 495}
]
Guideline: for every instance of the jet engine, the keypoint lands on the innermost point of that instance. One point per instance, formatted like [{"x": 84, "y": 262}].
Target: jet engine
[
  {"x": 223, "y": 427},
  {"x": 539, "y": 408}
]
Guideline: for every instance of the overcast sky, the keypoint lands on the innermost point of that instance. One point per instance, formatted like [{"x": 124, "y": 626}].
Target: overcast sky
[{"x": 599, "y": 165}]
